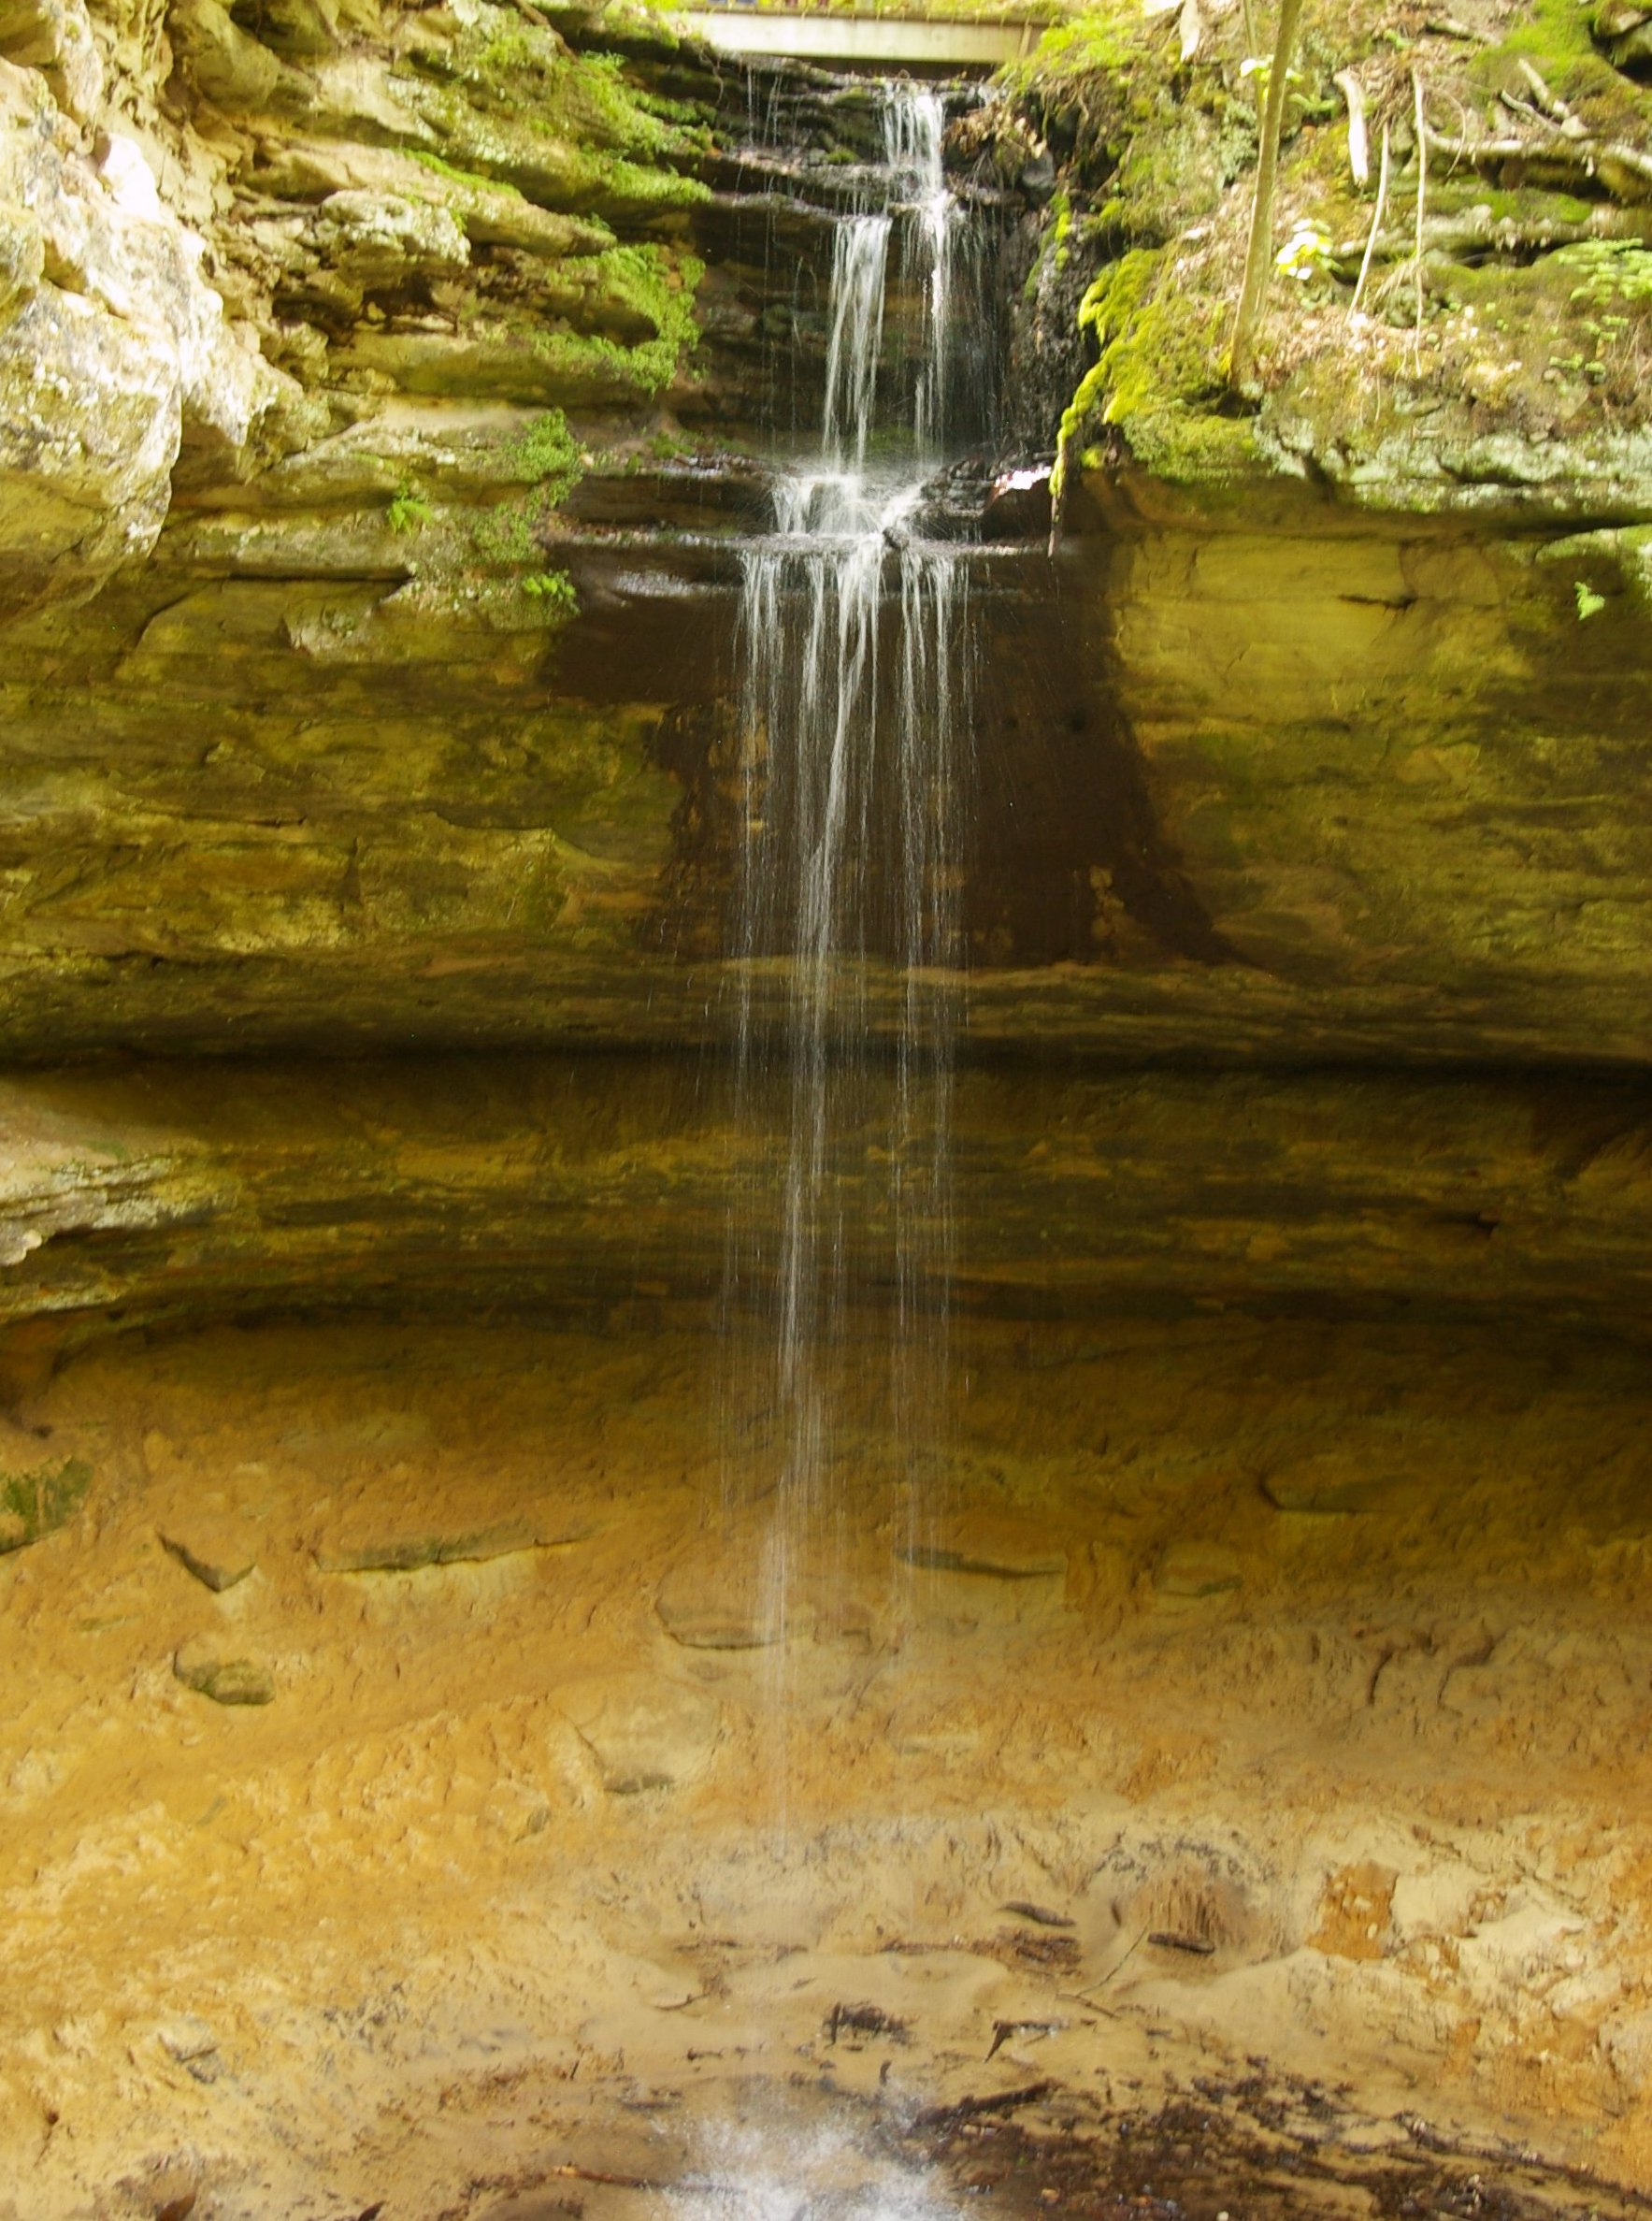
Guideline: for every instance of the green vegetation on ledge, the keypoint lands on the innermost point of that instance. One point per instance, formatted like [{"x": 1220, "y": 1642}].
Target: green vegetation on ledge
[
  {"x": 1512, "y": 364},
  {"x": 1153, "y": 380},
  {"x": 512, "y": 103}
]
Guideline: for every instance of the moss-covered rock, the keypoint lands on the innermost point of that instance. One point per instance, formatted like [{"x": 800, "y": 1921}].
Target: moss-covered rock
[
  {"x": 358, "y": 203},
  {"x": 40, "y": 1500},
  {"x": 1503, "y": 372},
  {"x": 206, "y": 1666}
]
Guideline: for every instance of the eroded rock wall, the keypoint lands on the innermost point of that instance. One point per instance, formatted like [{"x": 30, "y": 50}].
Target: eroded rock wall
[
  {"x": 591, "y": 1187},
  {"x": 229, "y": 244}
]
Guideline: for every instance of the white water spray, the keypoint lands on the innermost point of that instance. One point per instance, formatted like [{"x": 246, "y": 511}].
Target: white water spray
[{"x": 852, "y": 722}]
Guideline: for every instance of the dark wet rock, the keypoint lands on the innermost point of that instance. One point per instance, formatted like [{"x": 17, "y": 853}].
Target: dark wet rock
[
  {"x": 1037, "y": 177},
  {"x": 1017, "y": 505},
  {"x": 698, "y": 494}
]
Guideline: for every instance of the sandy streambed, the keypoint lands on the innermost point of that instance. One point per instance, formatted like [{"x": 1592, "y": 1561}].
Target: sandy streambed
[{"x": 397, "y": 1808}]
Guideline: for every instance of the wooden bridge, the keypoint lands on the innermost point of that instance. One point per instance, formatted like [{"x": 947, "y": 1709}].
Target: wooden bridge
[{"x": 920, "y": 41}]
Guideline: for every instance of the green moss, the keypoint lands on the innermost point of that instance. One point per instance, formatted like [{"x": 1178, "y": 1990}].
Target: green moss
[
  {"x": 1108, "y": 40},
  {"x": 649, "y": 282},
  {"x": 1158, "y": 374},
  {"x": 547, "y": 454},
  {"x": 35, "y": 1503},
  {"x": 1553, "y": 36},
  {"x": 687, "y": 115},
  {"x": 1171, "y": 175},
  {"x": 568, "y": 129},
  {"x": 409, "y": 511},
  {"x": 1117, "y": 295},
  {"x": 459, "y": 177},
  {"x": 1094, "y": 85},
  {"x": 555, "y": 591},
  {"x": 1556, "y": 29},
  {"x": 527, "y": 70},
  {"x": 630, "y": 184},
  {"x": 506, "y": 53},
  {"x": 1608, "y": 271},
  {"x": 507, "y": 538},
  {"x": 1149, "y": 147},
  {"x": 1107, "y": 92},
  {"x": 504, "y": 533}
]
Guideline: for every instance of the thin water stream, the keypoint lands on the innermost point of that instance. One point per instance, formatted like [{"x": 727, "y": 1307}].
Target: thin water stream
[{"x": 854, "y": 655}]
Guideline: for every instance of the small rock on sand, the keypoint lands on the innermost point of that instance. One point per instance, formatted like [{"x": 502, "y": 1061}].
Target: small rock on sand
[{"x": 201, "y": 1665}]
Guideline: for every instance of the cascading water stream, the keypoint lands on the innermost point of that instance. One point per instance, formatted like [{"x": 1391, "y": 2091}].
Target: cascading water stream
[{"x": 853, "y": 710}]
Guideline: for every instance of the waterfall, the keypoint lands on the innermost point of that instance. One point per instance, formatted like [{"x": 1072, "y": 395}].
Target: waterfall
[{"x": 854, "y": 715}]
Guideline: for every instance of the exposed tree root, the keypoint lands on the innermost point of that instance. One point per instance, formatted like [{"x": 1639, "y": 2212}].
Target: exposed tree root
[{"x": 1625, "y": 173}]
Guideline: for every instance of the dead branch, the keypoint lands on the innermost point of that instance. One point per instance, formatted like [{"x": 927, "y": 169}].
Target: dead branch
[
  {"x": 1347, "y": 84},
  {"x": 969, "y": 2108},
  {"x": 1477, "y": 232},
  {"x": 1551, "y": 107},
  {"x": 1376, "y": 225},
  {"x": 1422, "y": 191},
  {"x": 1447, "y": 26},
  {"x": 1624, "y": 172},
  {"x": 1568, "y": 126}
]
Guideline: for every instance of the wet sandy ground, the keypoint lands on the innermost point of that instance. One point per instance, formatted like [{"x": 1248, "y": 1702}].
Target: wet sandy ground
[{"x": 1252, "y": 1732}]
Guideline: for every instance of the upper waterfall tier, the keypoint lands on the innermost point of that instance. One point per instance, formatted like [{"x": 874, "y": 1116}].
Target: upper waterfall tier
[
  {"x": 339, "y": 763},
  {"x": 851, "y": 710}
]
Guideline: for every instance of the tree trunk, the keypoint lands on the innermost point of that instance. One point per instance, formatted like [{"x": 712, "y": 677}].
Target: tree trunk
[{"x": 1259, "y": 260}]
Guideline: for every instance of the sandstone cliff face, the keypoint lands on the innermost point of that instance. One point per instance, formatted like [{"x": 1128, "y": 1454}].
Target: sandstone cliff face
[
  {"x": 416, "y": 515},
  {"x": 224, "y": 248},
  {"x": 390, "y": 1712},
  {"x": 331, "y": 362},
  {"x": 114, "y": 344}
]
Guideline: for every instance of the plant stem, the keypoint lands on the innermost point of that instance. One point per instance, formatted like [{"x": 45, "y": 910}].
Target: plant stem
[
  {"x": 1422, "y": 194},
  {"x": 1376, "y": 225}
]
